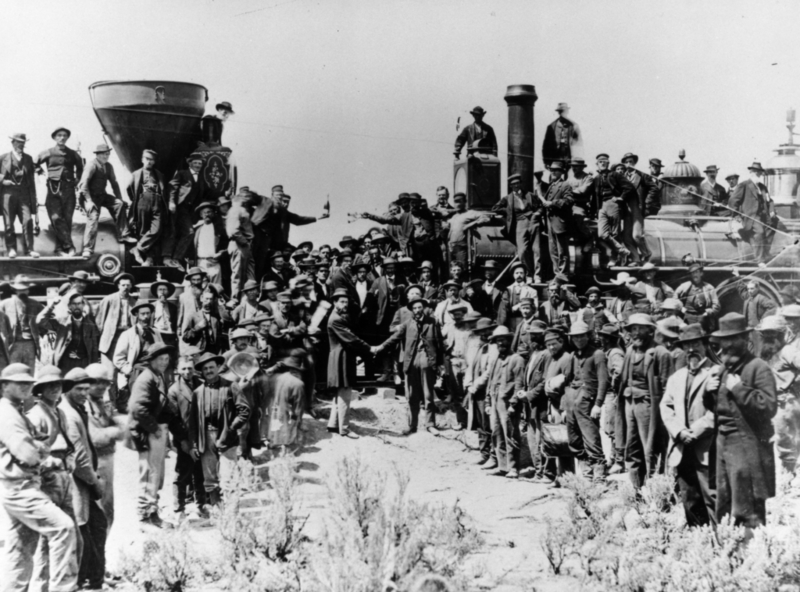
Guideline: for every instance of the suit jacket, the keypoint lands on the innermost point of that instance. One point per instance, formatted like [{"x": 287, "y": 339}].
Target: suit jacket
[
  {"x": 85, "y": 460},
  {"x": 37, "y": 320},
  {"x": 147, "y": 407},
  {"x": 179, "y": 401},
  {"x": 618, "y": 185},
  {"x": 64, "y": 336},
  {"x": 753, "y": 201},
  {"x": 188, "y": 304},
  {"x": 508, "y": 380},
  {"x": 506, "y": 206},
  {"x": 639, "y": 185},
  {"x": 235, "y": 414},
  {"x": 195, "y": 331},
  {"x": 686, "y": 411},
  {"x": 345, "y": 345},
  {"x": 343, "y": 279},
  {"x": 128, "y": 351},
  {"x": 134, "y": 191},
  {"x": 8, "y": 165},
  {"x": 654, "y": 385},
  {"x": 185, "y": 191},
  {"x": 412, "y": 334},
  {"x": 715, "y": 195},
  {"x": 108, "y": 319},
  {"x": 559, "y": 215},
  {"x": 220, "y": 237},
  {"x": 383, "y": 310},
  {"x": 551, "y": 149},
  {"x": 759, "y": 305},
  {"x": 473, "y": 132}
]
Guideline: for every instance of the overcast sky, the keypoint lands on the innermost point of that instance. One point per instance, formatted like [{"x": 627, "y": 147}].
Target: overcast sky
[{"x": 359, "y": 99}]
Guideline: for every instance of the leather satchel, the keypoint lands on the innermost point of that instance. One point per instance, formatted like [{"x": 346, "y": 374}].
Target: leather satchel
[{"x": 555, "y": 439}]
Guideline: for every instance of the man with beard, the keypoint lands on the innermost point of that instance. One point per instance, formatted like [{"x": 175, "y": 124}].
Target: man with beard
[
  {"x": 640, "y": 391},
  {"x": 26, "y": 322},
  {"x": 77, "y": 338},
  {"x": 424, "y": 354},
  {"x": 19, "y": 196},
  {"x": 752, "y": 201},
  {"x": 453, "y": 299},
  {"x": 691, "y": 428},
  {"x": 509, "y": 313},
  {"x": 743, "y": 393},
  {"x": 594, "y": 313},
  {"x": 455, "y": 339},
  {"x": 535, "y": 402},
  {"x": 147, "y": 216},
  {"x": 699, "y": 298},
  {"x": 248, "y": 307},
  {"x": 210, "y": 241},
  {"x": 523, "y": 225},
  {"x": 189, "y": 300},
  {"x": 113, "y": 319},
  {"x": 780, "y": 338},
  {"x": 64, "y": 169},
  {"x": 130, "y": 350},
  {"x": 611, "y": 192},
  {"x": 714, "y": 194},
  {"x": 555, "y": 310},
  {"x": 289, "y": 328},
  {"x": 78, "y": 283},
  {"x": 206, "y": 328},
  {"x": 476, "y": 132},
  {"x": 490, "y": 272},
  {"x": 558, "y": 202},
  {"x": 521, "y": 343}
]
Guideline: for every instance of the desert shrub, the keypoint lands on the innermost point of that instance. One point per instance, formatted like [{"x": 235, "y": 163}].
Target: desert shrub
[{"x": 378, "y": 538}]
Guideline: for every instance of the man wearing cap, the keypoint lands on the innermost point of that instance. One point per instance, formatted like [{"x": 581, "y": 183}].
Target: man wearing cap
[
  {"x": 19, "y": 196},
  {"x": 26, "y": 322},
  {"x": 477, "y": 136},
  {"x": 639, "y": 391},
  {"x": 523, "y": 225},
  {"x": 714, "y": 194},
  {"x": 558, "y": 205},
  {"x": 113, "y": 319},
  {"x": 186, "y": 191},
  {"x": 147, "y": 422},
  {"x": 691, "y": 428},
  {"x": 745, "y": 400},
  {"x": 92, "y": 197},
  {"x": 561, "y": 138},
  {"x": 77, "y": 337},
  {"x": 130, "y": 349},
  {"x": 56, "y": 469},
  {"x": 64, "y": 169},
  {"x": 584, "y": 399},
  {"x": 509, "y": 311},
  {"x": 430, "y": 291},
  {"x": 31, "y": 514},
  {"x": 653, "y": 185},
  {"x": 345, "y": 345},
  {"x": 248, "y": 306},
  {"x": 148, "y": 212},
  {"x": 699, "y": 298},
  {"x": 521, "y": 344},
  {"x": 756, "y": 211},
  {"x": 88, "y": 489},
  {"x": 210, "y": 241},
  {"x": 206, "y": 327},
  {"x": 582, "y": 185},
  {"x": 611, "y": 192}
]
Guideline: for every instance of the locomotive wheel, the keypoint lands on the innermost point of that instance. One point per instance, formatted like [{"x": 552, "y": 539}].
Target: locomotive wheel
[{"x": 730, "y": 299}]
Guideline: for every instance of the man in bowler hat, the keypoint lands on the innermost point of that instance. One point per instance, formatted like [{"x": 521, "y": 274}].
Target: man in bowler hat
[{"x": 478, "y": 131}]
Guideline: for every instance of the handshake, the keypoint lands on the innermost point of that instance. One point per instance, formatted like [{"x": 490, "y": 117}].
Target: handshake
[{"x": 375, "y": 350}]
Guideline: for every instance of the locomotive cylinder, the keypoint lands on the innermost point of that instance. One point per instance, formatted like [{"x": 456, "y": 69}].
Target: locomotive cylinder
[{"x": 520, "y": 99}]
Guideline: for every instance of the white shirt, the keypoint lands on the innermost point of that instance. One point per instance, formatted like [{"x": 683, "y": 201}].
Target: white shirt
[
  {"x": 361, "y": 288},
  {"x": 205, "y": 241}
]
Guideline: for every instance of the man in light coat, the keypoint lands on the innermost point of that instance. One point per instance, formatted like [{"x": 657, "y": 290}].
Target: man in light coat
[
  {"x": 130, "y": 348},
  {"x": 691, "y": 428},
  {"x": 27, "y": 321}
]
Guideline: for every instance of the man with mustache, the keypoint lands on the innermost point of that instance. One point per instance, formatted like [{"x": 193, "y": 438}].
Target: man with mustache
[
  {"x": 691, "y": 428},
  {"x": 742, "y": 391}
]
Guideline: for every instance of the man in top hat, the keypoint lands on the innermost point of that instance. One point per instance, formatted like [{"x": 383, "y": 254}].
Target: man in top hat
[
  {"x": 88, "y": 490},
  {"x": 478, "y": 136},
  {"x": 639, "y": 393},
  {"x": 220, "y": 415},
  {"x": 165, "y": 313},
  {"x": 92, "y": 197},
  {"x": 633, "y": 218},
  {"x": 131, "y": 348},
  {"x": 562, "y": 138},
  {"x": 756, "y": 209},
  {"x": 743, "y": 394},
  {"x": 248, "y": 306},
  {"x": 186, "y": 190},
  {"x": 424, "y": 354},
  {"x": 461, "y": 220},
  {"x": 523, "y": 225},
  {"x": 210, "y": 241},
  {"x": 656, "y": 291},
  {"x": 148, "y": 421},
  {"x": 77, "y": 337},
  {"x": 611, "y": 192},
  {"x": 64, "y": 169},
  {"x": 206, "y": 328},
  {"x": 27, "y": 321},
  {"x": 714, "y": 194},
  {"x": 733, "y": 181},
  {"x": 583, "y": 207},
  {"x": 148, "y": 212},
  {"x": 31, "y": 514},
  {"x": 699, "y": 298},
  {"x": 558, "y": 205},
  {"x": 19, "y": 196},
  {"x": 584, "y": 398},
  {"x": 691, "y": 427}
]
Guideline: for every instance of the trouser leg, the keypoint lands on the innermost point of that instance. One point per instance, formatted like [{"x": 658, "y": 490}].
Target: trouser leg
[
  {"x": 637, "y": 230},
  {"x": 736, "y": 488},
  {"x": 537, "y": 249},
  {"x": 209, "y": 460},
  {"x": 150, "y": 228},
  {"x": 26, "y": 218},
  {"x": 59, "y": 210},
  {"x": 533, "y": 436},
  {"x": 184, "y": 234},
  {"x": 484, "y": 429},
  {"x": 184, "y": 473},
  {"x": 242, "y": 266},
  {"x": 31, "y": 514},
  {"x": 56, "y": 485},
  {"x": 628, "y": 226},
  {"x": 568, "y": 403},
  {"x": 151, "y": 473},
  {"x": 90, "y": 230},
  {"x": 498, "y": 421},
  {"x": 589, "y": 431},
  {"x": 692, "y": 480},
  {"x": 509, "y": 432},
  {"x": 413, "y": 395},
  {"x": 559, "y": 251},
  {"x": 637, "y": 418},
  {"x": 657, "y": 440},
  {"x": 523, "y": 242},
  {"x": 620, "y": 429},
  {"x": 92, "y": 568},
  {"x": 10, "y": 212},
  {"x": 340, "y": 414},
  {"x": 105, "y": 472},
  {"x": 787, "y": 434}
]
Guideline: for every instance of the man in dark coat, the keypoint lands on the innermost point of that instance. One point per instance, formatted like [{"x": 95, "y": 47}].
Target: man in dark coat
[
  {"x": 633, "y": 220},
  {"x": 148, "y": 426},
  {"x": 560, "y": 137},
  {"x": 344, "y": 347},
  {"x": 148, "y": 198},
  {"x": 206, "y": 327},
  {"x": 19, "y": 196},
  {"x": 423, "y": 355},
  {"x": 64, "y": 169},
  {"x": 714, "y": 193},
  {"x": 751, "y": 198},
  {"x": 611, "y": 192},
  {"x": 479, "y": 132},
  {"x": 77, "y": 338},
  {"x": 523, "y": 225},
  {"x": 558, "y": 205},
  {"x": 745, "y": 399},
  {"x": 186, "y": 192},
  {"x": 388, "y": 294}
]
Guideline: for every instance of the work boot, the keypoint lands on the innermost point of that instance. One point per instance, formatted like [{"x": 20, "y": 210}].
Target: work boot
[
  {"x": 170, "y": 262},
  {"x": 491, "y": 465},
  {"x": 512, "y": 474},
  {"x": 482, "y": 461},
  {"x": 12, "y": 253},
  {"x": 214, "y": 497},
  {"x": 499, "y": 473},
  {"x": 599, "y": 473},
  {"x": 33, "y": 254},
  {"x": 616, "y": 468},
  {"x": 409, "y": 431},
  {"x": 137, "y": 254}
]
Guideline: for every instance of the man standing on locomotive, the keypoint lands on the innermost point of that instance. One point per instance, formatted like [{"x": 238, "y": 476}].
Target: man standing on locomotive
[
  {"x": 19, "y": 196},
  {"x": 148, "y": 196},
  {"x": 757, "y": 210},
  {"x": 523, "y": 224},
  {"x": 64, "y": 168},
  {"x": 611, "y": 191}
]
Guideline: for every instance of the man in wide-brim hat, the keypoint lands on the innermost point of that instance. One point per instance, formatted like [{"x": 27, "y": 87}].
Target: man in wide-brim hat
[
  {"x": 690, "y": 425},
  {"x": 24, "y": 322},
  {"x": 746, "y": 400},
  {"x": 751, "y": 199},
  {"x": 19, "y": 196},
  {"x": 478, "y": 131}
]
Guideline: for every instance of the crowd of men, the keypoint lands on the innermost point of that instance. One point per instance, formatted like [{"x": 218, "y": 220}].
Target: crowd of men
[{"x": 646, "y": 378}]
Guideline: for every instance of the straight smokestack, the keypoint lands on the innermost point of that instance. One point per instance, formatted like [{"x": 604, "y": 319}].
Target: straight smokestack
[{"x": 520, "y": 99}]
